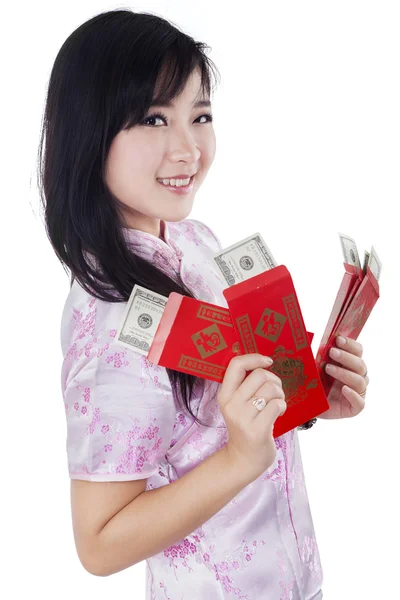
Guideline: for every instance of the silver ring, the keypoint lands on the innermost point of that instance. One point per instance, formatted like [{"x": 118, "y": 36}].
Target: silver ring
[{"x": 259, "y": 403}]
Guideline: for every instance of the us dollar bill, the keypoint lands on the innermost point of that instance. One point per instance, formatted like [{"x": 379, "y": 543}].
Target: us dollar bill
[
  {"x": 350, "y": 252},
  {"x": 366, "y": 259},
  {"x": 375, "y": 264},
  {"x": 245, "y": 259},
  {"x": 141, "y": 318}
]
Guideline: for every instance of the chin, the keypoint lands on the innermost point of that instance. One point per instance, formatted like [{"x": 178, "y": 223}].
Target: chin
[{"x": 179, "y": 215}]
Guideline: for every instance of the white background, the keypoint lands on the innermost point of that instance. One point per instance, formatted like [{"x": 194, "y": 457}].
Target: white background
[{"x": 308, "y": 144}]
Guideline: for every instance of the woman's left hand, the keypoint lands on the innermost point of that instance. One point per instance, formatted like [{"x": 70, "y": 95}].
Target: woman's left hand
[{"x": 347, "y": 400}]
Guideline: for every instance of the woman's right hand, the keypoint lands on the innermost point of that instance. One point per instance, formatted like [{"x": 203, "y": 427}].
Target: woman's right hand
[{"x": 251, "y": 444}]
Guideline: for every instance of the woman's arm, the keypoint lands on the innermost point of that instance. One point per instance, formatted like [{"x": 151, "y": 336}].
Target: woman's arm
[{"x": 158, "y": 518}]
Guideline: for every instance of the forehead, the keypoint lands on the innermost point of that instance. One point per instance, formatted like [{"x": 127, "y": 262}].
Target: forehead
[{"x": 192, "y": 89}]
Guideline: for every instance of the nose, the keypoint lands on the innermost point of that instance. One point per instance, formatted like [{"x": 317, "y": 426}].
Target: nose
[{"x": 184, "y": 147}]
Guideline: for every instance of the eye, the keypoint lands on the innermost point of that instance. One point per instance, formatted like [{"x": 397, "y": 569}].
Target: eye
[{"x": 163, "y": 117}]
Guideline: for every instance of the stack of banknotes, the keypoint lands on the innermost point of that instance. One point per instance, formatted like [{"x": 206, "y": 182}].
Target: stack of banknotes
[{"x": 263, "y": 316}]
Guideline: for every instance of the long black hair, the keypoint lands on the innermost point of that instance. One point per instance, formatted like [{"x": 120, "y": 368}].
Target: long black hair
[{"x": 104, "y": 79}]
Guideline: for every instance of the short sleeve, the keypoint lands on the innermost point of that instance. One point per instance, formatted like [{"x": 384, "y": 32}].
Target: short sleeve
[{"x": 119, "y": 408}]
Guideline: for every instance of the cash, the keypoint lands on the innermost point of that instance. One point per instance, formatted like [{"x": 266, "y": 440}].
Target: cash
[
  {"x": 244, "y": 259},
  {"x": 375, "y": 264},
  {"x": 351, "y": 257},
  {"x": 141, "y": 318},
  {"x": 350, "y": 252},
  {"x": 366, "y": 259}
]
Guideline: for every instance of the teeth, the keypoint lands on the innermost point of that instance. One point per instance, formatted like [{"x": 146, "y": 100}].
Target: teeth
[{"x": 175, "y": 182}]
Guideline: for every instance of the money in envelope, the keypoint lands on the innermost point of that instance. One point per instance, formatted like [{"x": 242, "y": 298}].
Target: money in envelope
[
  {"x": 358, "y": 294},
  {"x": 264, "y": 316}
]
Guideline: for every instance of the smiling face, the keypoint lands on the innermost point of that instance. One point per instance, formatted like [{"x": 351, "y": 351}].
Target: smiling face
[{"x": 158, "y": 148}]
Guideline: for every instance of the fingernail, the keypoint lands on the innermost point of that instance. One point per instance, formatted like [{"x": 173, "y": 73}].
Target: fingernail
[
  {"x": 330, "y": 368},
  {"x": 341, "y": 339},
  {"x": 268, "y": 360},
  {"x": 335, "y": 353}
]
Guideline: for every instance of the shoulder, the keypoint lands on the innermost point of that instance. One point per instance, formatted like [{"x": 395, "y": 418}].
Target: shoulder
[
  {"x": 85, "y": 317},
  {"x": 89, "y": 328},
  {"x": 198, "y": 232}
]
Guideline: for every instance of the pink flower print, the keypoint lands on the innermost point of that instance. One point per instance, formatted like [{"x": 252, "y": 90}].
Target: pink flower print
[
  {"x": 206, "y": 557},
  {"x": 84, "y": 410},
  {"x": 181, "y": 550},
  {"x": 113, "y": 333},
  {"x": 95, "y": 419},
  {"x": 108, "y": 448},
  {"x": 287, "y": 590},
  {"x": 248, "y": 557},
  {"x": 76, "y": 405},
  {"x": 86, "y": 394},
  {"x": 101, "y": 350},
  {"x": 105, "y": 428},
  {"x": 310, "y": 556},
  {"x": 84, "y": 326},
  {"x": 182, "y": 419},
  {"x": 118, "y": 359},
  {"x": 88, "y": 348},
  {"x": 189, "y": 232}
]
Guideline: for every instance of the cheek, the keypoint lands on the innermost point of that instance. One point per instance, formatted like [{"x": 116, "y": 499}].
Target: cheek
[{"x": 209, "y": 151}]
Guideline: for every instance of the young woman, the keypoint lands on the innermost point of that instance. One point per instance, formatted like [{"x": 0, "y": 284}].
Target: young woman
[{"x": 181, "y": 472}]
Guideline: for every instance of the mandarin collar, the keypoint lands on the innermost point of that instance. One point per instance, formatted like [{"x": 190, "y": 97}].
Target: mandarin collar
[
  {"x": 163, "y": 252},
  {"x": 137, "y": 236}
]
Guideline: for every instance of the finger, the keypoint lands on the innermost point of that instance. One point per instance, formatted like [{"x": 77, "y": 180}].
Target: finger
[
  {"x": 349, "y": 378},
  {"x": 271, "y": 393},
  {"x": 236, "y": 373},
  {"x": 356, "y": 401},
  {"x": 258, "y": 383},
  {"x": 348, "y": 360},
  {"x": 264, "y": 421},
  {"x": 351, "y": 345}
]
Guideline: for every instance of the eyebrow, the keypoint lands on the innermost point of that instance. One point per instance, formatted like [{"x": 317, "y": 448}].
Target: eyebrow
[{"x": 198, "y": 104}]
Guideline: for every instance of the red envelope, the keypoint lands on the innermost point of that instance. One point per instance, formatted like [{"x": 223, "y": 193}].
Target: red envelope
[
  {"x": 266, "y": 315},
  {"x": 196, "y": 337},
  {"x": 351, "y": 279},
  {"x": 351, "y": 322}
]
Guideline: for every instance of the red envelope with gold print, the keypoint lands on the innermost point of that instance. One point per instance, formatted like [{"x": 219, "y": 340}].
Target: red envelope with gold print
[
  {"x": 198, "y": 338},
  {"x": 350, "y": 323},
  {"x": 266, "y": 315},
  {"x": 195, "y": 337}
]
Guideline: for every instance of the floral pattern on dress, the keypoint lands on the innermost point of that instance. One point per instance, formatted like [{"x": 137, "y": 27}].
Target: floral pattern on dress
[{"x": 124, "y": 423}]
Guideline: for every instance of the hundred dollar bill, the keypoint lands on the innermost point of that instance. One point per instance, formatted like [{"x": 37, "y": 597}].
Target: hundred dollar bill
[
  {"x": 350, "y": 252},
  {"x": 245, "y": 259},
  {"x": 142, "y": 316},
  {"x": 366, "y": 259},
  {"x": 375, "y": 264}
]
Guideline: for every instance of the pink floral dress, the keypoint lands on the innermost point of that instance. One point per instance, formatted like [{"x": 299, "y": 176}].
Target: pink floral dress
[{"x": 124, "y": 423}]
